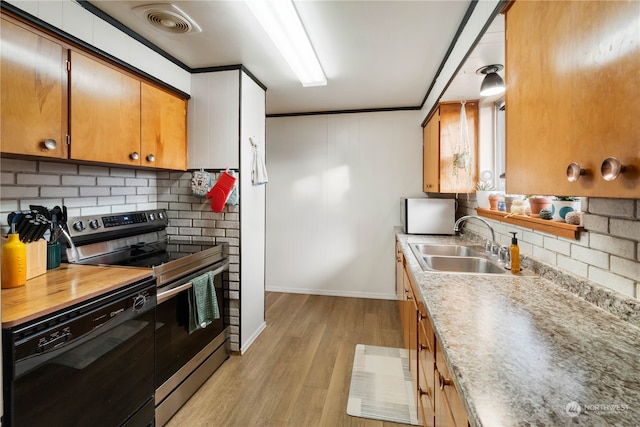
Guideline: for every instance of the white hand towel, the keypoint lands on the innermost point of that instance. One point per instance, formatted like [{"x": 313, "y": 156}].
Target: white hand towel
[{"x": 258, "y": 168}]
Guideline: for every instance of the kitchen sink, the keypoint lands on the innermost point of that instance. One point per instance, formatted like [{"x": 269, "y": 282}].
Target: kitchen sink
[
  {"x": 461, "y": 264},
  {"x": 452, "y": 258},
  {"x": 444, "y": 250}
]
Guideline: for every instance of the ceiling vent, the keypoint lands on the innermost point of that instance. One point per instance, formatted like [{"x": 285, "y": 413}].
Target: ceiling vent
[{"x": 167, "y": 18}]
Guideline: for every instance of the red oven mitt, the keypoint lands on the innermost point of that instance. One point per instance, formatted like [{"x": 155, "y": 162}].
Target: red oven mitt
[{"x": 221, "y": 191}]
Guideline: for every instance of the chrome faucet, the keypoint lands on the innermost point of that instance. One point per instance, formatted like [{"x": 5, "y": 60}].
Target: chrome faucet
[{"x": 456, "y": 227}]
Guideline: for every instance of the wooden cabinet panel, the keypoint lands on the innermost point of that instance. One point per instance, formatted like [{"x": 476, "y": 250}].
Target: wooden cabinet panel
[
  {"x": 440, "y": 141},
  {"x": 105, "y": 113},
  {"x": 426, "y": 376},
  {"x": 34, "y": 97},
  {"x": 572, "y": 81},
  {"x": 431, "y": 154},
  {"x": 399, "y": 277},
  {"x": 163, "y": 129},
  {"x": 449, "y": 408}
]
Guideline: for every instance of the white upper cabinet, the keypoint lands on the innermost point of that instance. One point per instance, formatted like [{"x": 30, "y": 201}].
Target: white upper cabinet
[{"x": 214, "y": 120}]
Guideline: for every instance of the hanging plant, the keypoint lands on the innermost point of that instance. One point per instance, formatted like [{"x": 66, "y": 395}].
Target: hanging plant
[{"x": 462, "y": 153}]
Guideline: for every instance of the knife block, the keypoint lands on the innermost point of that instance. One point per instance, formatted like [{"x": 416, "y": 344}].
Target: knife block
[{"x": 36, "y": 257}]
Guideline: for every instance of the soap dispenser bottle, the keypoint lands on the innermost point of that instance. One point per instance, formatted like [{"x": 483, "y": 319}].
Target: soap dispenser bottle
[
  {"x": 514, "y": 252},
  {"x": 14, "y": 261}
]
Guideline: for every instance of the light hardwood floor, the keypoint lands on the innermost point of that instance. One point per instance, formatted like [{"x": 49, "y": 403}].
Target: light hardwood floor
[{"x": 297, "y": 373}]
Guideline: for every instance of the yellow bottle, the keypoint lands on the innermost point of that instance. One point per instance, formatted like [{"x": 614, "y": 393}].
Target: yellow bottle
[
  {"x": 14, "y": 261},
  {"x": 514, "y": 251}
]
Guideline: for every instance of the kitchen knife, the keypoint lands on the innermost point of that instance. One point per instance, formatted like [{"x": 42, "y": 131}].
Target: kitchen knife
[
  {"x": 29, "y": 232},
  {"x": 22, "y": 224}
]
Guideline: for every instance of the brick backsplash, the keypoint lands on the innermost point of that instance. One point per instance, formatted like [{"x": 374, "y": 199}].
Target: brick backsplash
[
  {"x": 607, "y": 252},
  {"x": 88, "y": 190},
  {"x": 191, "y": 218}
]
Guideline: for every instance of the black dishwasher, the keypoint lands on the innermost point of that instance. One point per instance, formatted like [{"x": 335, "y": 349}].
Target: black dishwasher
[{"x": 89, "y": 365}]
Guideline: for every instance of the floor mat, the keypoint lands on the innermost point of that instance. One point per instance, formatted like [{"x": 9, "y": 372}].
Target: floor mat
[{"x": 381, "y": 387}]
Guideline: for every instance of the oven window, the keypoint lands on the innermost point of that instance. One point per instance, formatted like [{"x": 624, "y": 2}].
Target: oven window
[{"x": 174, "y": 345}]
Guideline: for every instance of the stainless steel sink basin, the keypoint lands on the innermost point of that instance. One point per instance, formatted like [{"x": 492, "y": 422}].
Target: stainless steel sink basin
[
  {"x": 451, "y": 258},
  {"x": 444, "y": 250},
  {"x": 460, "y": 264}
]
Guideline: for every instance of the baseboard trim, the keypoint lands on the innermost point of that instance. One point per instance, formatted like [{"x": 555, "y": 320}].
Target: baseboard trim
[
  {"x": 253, "y": 337},
  {"x": 331, "y": 293}
]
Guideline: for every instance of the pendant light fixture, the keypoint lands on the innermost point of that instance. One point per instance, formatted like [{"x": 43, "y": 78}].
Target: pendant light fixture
[{"x": 492, "y": 83}]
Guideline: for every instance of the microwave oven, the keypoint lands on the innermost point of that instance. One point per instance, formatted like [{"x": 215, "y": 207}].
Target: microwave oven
[{"x": 428, "y": 215}]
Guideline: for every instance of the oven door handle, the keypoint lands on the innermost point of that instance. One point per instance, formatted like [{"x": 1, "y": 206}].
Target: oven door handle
[{"x": 163, "y": 296}]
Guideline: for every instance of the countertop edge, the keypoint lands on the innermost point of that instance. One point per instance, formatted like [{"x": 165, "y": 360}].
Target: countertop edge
[{"x": 137, "y": 274}]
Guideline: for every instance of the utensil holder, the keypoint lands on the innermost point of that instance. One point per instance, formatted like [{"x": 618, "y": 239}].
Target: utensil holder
[{"x": 53, "y": 256}]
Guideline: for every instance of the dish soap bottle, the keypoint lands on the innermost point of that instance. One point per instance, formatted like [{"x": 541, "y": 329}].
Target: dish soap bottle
[
  {"x": 14, "y": 261},
  {"x": 514, "y": 251}
]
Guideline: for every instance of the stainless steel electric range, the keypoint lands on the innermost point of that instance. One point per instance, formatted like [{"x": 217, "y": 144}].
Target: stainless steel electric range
[{"x": 183, "y": 361}]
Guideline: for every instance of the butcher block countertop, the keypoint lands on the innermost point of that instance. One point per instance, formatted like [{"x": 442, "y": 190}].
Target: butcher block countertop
[{"x": 63, "y": 287}]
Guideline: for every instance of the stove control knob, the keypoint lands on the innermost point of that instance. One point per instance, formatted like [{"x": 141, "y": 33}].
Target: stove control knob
[
  {"x": 79, "y": 226},
  {"x": 160, "y": 215},
  {"x": 152, "y": 217},
  {"x": 94, "y": 224}
]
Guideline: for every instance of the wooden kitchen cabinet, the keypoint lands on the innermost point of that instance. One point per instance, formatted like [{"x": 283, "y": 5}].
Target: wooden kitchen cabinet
[
  {"x": 436, "y": 398},
  {"x": 410, "y": 325},
  {"x": 163, "y": 132},
  {"x": 431, "y": 154},
  {"x": 572, "y": 86},
  {"x": 426, "y": 369},
  {"x": 105, "y": 113},
  {"x": 440, "y": 140},
  {"x": 34, "y": 95},
  {"x": 449, "y": 408},
  {"x": 399, "y": 277},
  {"x": 84, "y": 108}
]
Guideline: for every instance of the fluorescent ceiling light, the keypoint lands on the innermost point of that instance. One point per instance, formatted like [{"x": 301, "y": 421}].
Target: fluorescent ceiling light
[{"x": 281, "y": 22}]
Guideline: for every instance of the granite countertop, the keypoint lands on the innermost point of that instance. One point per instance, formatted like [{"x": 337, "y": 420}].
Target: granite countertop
[{"x": 524, "y": 351}]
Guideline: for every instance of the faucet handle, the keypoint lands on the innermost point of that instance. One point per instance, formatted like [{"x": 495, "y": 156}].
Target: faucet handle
[
  {"x": 503, "y": 254},
  {"x": 495, "y": 249}
]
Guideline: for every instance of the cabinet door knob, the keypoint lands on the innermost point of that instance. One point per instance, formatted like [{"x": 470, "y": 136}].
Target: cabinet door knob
[
  {"x": 611, "y": 168},
  {"x": 574, "y": 172},
  {"x": 151, "y": 158},
  {"x": 50, "y": 144},
  {"x": 443, "y": 381},
  {"x": 423, "y": 392},
  {"x": 134, "y": 155}
]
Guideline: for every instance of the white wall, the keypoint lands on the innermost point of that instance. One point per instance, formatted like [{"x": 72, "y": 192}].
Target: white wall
[
  {"x": 333, "y": 200},
  {"x": 73, "y": 19},
  {"x": 252, "y": 216}
]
